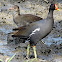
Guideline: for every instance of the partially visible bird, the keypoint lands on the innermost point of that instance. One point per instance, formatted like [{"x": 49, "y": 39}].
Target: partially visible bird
[
  {"x": 36, "y": 31},
  {"x": 23, "y": 19}
]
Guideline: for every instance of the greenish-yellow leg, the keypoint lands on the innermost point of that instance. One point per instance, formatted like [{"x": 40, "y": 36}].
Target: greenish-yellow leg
[
  {"x": 28, "y": 48},
  {"x": 34, "y": 48}
]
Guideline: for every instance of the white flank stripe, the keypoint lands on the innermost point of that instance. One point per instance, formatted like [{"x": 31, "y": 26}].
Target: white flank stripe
[{"x": 33, "y": 32}]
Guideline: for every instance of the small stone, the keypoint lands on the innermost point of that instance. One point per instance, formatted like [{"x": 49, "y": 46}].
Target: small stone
[
  {"x": 9, "y": 17},
  {"x": 23, "y": 0},
  {"x": 2, "y": 18},
  {"x": 4, "y": 4},
  {"x": 58, "y": 35},
  {"x": 18, "y": 2},
  {"x": 5, "y": 18}
]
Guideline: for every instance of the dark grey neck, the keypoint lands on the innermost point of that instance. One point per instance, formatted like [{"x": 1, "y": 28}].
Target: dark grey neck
[
  {"x": 18, "y": 12},
  {"x": 50, "y": 18},
  {"x": 50, "y": 14}
]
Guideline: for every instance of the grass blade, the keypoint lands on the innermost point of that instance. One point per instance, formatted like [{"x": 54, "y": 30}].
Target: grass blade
[
  {"x": 1, "y": 60},
  {"x": 11, "y": 57}
]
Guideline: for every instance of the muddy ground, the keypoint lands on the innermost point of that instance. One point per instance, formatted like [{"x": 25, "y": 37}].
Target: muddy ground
[{"x": 50, "y": 50}]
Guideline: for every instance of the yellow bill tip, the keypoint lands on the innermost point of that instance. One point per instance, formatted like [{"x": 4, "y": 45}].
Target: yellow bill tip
[{"x": 58, "y": 9}]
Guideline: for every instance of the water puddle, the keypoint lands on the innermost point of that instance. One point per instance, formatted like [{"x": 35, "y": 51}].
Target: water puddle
[{"x": 50, "y": 41}]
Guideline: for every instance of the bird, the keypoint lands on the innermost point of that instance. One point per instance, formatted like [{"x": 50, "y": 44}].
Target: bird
[
  {"x": 36, "y": 31},
  {"x": 23, "y": 19}
]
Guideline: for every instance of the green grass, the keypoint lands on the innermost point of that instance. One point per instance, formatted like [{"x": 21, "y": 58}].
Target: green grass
[
  {"x": 9, "y": 59},
  {"x": 1, "y": 60}
]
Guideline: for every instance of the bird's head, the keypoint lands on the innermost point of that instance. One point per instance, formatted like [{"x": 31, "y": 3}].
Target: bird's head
[
  {"x": 54, "y": 7},
  {"x": 15, "y": 8}
]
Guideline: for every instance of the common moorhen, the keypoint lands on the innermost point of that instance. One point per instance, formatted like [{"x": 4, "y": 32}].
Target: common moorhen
[
  {"x": 23, "y": 19},
  {"x": 34, "y": 32}
]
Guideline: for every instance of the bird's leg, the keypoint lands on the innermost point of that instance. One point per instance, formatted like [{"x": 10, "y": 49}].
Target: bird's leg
[
  {"x": 34, "y": 48},
  {"x": 28, "y": 48}
]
